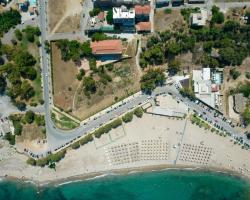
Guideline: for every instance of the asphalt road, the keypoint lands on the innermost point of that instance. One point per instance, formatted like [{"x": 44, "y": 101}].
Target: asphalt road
[{"x": 57, "y": 138}]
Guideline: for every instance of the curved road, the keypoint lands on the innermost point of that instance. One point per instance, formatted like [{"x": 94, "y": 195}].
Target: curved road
[{"x": 57, "y": 138}]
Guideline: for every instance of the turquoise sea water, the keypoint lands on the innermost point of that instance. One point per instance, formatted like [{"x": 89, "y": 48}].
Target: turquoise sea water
[{"x": 167, "y": 185}]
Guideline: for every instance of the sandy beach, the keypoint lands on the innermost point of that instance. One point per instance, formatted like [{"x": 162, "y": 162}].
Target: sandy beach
[{"x": 146, "y": 144}]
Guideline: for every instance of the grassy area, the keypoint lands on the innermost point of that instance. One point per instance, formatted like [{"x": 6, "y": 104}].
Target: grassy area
[{"x": 63, "y": 121}]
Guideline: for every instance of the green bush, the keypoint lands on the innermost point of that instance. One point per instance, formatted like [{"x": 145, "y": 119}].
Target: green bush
[
  {"x": 11, "y": 138},
  {"x": 88, "y": 138},
  {"x": 31, "y": 161},
  {"x": 99, "y": 132},
  {"x": 248, "y": 75},
  {"x": 57, "y": 156},
  {"x": 29, "y": 116},
  {"x": 42, "y": 162},
  {"x": 39, "y": 119},
  {"x": 18, "y": 34},
  {"x": 18, "y": 127},
  {"x": 75, "y": 145},
  {"x": 167, "y": 11},
  {"x": 128, "y": 117},
  {"x": 138, "y": 112},
  {"x": 116, "y": 123},
  {"x": 8, "y": 20}
]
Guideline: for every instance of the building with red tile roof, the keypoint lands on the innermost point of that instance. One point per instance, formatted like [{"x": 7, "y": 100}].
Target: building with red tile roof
[
  {"x": 142, "y": 10},
  {"x": 143, "y": 27},
  {"x": 101, "y": 16},
  {"x": 107, "y": 49}
]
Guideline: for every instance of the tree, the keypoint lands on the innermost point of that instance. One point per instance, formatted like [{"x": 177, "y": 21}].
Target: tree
[
  {"x": 174, "y": 66},
  {"x": 29, "y": 116},
  {"x": 208, "y": 61},
  {"x": 9, "y": 19},
  {"x": 31, "y": 32},
  {"x": 28, "y": 73},
  {"x": 234, "y": 73},
  {"x": 94, "y": 12},
  {"x": 75, "y": 145},
  {"x": 39, "y": 119},
  {"x": 227, "y": 55},
  {"x": 86, "y": 50},
  {"x": 138, "y": 112},
  {"x": 128, "y": 117},
  {"x": 3, "y": 84},
  {"x": 10, "y": 138},
  {"x": 246, "y": 115},
  {"x": 1, "y": 60},
  {"x": 89, "y": 85},
  {"x": 231, "y": 26},
  {"x": 173, "y": 48},
  {"x": 24, "y": 58},
  {"x": 248, "y": 136},
  {"x": 47, "y": 46},
  {"x": 20, "y": 105},
  {"x": 217, "y": 16},
  {"x": 80, "y": 75},
  {"x": 151, "y": 79},
  {"x": 99, "y": 36},
  {"x": 27, "y": 91},
  {"x": 18, "y": 127},
  {"x": 109, "y": 17},
  {"x": 18, "y": 34}
]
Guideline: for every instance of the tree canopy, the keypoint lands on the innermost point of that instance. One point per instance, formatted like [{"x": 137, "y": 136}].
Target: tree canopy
[
  {"x": 8, "y": 20},
  {"x": 151, "y": 79}
]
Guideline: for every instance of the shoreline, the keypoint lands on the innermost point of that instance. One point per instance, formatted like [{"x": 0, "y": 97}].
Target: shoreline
[{"x": 124, "y": 172}]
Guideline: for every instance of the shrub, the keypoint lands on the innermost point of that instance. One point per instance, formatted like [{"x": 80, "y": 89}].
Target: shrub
[
  {"x": 75, "y": 145},
  {"x": 31, "y": 161},
  {"x": 167, "y": 11},
  {"x": 248, "y": 75},
  {"x": 11, "y": 138},
  {"x": 138, "y": 112},
  {"x": 99, "y": 132},
  {"x": 116, "y": 123},
  {"x": 42, "y": 162},
  {"x": 57, "y": 156},
  {"x": 18, "y": 127},
  {"x": 128, "y": 117},
  {"x": 29, "y": 116},
  {"x": 18, "y": 34},
  {"x": 86, "y": 139}
]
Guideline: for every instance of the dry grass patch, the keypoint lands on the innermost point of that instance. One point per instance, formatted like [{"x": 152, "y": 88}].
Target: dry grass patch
[
  {"x": 70, "y": 24},
  {"x": 163, "y": 21},
  {"x": 125, "y": 81},
  {"x": 64, "y": 80},
  {"x": 64, "y": 15},
  {"x": 30, "y": 132}
]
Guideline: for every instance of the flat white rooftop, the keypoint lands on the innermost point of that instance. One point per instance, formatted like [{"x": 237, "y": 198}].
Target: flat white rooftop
[{"x": 123, "y": 13}]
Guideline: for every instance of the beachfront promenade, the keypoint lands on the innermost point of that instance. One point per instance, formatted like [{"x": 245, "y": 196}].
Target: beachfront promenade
[{"x": 148, "y": 142}]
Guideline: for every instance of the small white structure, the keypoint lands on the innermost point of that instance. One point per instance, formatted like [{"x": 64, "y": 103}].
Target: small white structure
[
  {"x": 203, "y": 87},
  {"x": 124, "y": 16},
  {"x": 199, "y": 19},
  {"x": 6, "y": 126}
]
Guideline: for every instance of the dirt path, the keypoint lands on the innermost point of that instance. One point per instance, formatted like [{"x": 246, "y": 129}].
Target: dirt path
[{"x": 71, "y": 9}]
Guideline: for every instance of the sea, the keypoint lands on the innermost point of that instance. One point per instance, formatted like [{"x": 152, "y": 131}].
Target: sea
[{"x": 162, "y": 185}]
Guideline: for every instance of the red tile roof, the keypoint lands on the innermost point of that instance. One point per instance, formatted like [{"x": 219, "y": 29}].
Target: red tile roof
[
  {"x": 143, "y": 26},
  {"x": 145, "y": 10},
  {"x": 101, "y": 16},
  {"x": 106, "y": 47},
  {"x": 215, "y": 88}
]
